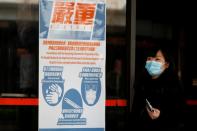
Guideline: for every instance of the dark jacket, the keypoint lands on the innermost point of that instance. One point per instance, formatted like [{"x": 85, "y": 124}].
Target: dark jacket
[{"x": 164, "y": 93}]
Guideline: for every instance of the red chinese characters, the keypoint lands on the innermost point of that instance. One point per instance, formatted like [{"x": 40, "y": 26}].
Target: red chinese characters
[
  {"x": 84, "y": 14},
  {"x": 64, "y": 12}
]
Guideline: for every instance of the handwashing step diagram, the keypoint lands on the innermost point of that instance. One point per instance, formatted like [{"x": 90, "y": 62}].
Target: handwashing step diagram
[{"x": 73, "y": 100}]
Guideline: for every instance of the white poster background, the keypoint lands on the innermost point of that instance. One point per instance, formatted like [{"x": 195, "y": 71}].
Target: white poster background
[{"x": 72, "y": 62}]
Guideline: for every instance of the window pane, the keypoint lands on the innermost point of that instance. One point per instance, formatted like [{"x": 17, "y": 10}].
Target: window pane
[{"x": 19, "y": 47}]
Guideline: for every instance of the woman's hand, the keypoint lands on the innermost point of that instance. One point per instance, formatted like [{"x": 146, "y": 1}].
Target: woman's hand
[{"x": 154, "y": 114}]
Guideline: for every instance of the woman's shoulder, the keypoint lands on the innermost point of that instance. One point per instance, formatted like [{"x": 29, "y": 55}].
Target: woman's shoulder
[
  {"x": 173, "y": 84},
  {"x": 170, "y": 77}
]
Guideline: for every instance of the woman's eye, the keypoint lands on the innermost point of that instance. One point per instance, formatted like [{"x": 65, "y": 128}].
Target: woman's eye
[
  {"x": 149, "y": 58},
  {"x": 160, "y": 60},
  {"x": 157, "y": 59}
]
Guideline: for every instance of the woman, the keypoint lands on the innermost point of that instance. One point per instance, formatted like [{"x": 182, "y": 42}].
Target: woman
[{"x": 158, "y": 99}]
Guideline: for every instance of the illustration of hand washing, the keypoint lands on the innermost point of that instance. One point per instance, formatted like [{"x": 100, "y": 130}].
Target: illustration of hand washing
[
  {"x": 53, "y": 94},
  {"x": 90, "y": 93}
]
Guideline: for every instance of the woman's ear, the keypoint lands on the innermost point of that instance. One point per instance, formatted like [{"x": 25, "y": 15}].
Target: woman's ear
[{"x": 166, "y": 65}]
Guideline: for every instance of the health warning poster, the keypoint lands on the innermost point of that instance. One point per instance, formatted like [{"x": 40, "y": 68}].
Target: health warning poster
[{"x": 72, "y": 52}]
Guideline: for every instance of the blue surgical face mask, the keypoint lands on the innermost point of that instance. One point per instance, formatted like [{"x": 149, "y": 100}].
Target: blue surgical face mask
[{"x": 154, "y": 68}]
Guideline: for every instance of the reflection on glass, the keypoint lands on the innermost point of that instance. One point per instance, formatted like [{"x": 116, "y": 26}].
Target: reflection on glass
[
  {"x": 115, "y": 80},
  {"x": 19, "y": 47}
]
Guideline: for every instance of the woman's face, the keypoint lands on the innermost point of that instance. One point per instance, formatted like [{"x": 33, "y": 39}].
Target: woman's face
[{"x": 157, "y": 69}]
